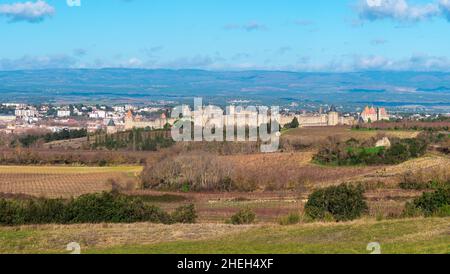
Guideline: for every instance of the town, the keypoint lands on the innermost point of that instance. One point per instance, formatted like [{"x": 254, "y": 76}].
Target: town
[{"x": 16, "y": 118}]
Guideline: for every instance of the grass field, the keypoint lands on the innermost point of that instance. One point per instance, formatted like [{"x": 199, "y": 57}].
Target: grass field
[
  {"x": 62, "y": 181},
  {"x": 395, "y": 236}
]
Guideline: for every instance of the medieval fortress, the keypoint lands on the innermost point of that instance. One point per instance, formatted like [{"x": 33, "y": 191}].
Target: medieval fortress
[
  {"x": 332, "y": 118},
  {"x": 241, "y": 118}
]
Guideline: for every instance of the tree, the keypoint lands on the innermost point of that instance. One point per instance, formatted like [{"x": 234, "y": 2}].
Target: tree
[{"x": 295, "y": 123}]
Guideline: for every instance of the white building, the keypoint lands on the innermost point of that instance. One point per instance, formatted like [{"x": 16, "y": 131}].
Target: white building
[
  {"x": 26, "y": 113},
  {"x": 63, "y": 113}
]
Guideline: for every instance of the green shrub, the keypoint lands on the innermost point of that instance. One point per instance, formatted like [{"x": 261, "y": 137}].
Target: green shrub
[
  {"x": 243, "y": 216},
  {"x": 343, "y": 203},
  {"x": 291, "y": 219},
  {"x": 411, "y": 211},
  {"x": 431, "y": 203},
  {"x": 185, "y": 214}
]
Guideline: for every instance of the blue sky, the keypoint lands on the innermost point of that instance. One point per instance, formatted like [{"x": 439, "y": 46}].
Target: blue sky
[{"x": 297, "y": 35}]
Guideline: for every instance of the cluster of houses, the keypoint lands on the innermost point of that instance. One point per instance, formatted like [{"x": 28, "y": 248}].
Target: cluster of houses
[{"x": 21, "y": 118}]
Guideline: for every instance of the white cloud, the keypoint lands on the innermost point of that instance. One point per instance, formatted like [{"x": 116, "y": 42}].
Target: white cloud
[
  {"x": 347, "y": 63},
  {"x": 415, "y": 62},
  {"x": 134, "y": 62},
  {"x": 445, "y": 8},
  {"x": 32, "y": 12},
  {"x": 402, "y": 10}
]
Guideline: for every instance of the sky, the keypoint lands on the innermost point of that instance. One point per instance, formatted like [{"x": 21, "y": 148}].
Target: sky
[{"x": 293, "y": 35}]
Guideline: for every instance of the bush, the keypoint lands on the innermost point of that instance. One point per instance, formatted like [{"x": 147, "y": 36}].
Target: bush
[
  {"x": 243, "y": 216},
  {"x": 115, "y": 208},
  {"x": 291, "y": 219},
  {"x": 344, "y": 203},
  {"x": 185, "y": 214},
  {"x": 431, "y": 203},
  {"x": 90, "y": 208}
]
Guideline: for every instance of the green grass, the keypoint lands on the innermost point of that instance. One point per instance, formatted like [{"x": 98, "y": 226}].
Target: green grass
[
  {"x": 404, "y": 236},
  {"x": 410, "y": 236}
]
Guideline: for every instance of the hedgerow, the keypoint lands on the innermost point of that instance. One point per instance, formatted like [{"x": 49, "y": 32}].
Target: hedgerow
[{"x": 90, "y": 208}]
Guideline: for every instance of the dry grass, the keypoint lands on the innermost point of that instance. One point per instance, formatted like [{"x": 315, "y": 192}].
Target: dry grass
[
  {"x": 79, "y": 143},
  {"x": 44, "y": 238},
  {"x": 395, "y": 236},
  {"x": 390, "y": 176}
]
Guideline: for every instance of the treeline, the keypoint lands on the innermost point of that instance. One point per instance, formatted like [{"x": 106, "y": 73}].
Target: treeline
[
  {"x": 65, "y": 134},
  {"x": 90, "y": 208},
  {"x": 355, "y": 152},
  {"x": 31, "y": 139},
  {"x": 135, "y": 139}
]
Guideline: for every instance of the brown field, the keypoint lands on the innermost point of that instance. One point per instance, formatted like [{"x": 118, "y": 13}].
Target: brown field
[
  {"x": 293, "y": 171},
  {"x": 63, "y": 182},
  {"x": 384, "y": 197}
]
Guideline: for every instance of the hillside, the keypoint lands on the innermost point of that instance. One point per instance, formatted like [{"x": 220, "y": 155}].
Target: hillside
[{"x": 266, "y": 87}]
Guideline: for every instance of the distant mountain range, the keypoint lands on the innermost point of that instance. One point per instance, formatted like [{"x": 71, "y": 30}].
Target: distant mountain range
[{"x": 260, "y": 87}]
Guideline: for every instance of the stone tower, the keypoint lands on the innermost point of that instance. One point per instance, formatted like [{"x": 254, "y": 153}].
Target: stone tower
[{"x": 333, "y": 117}]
